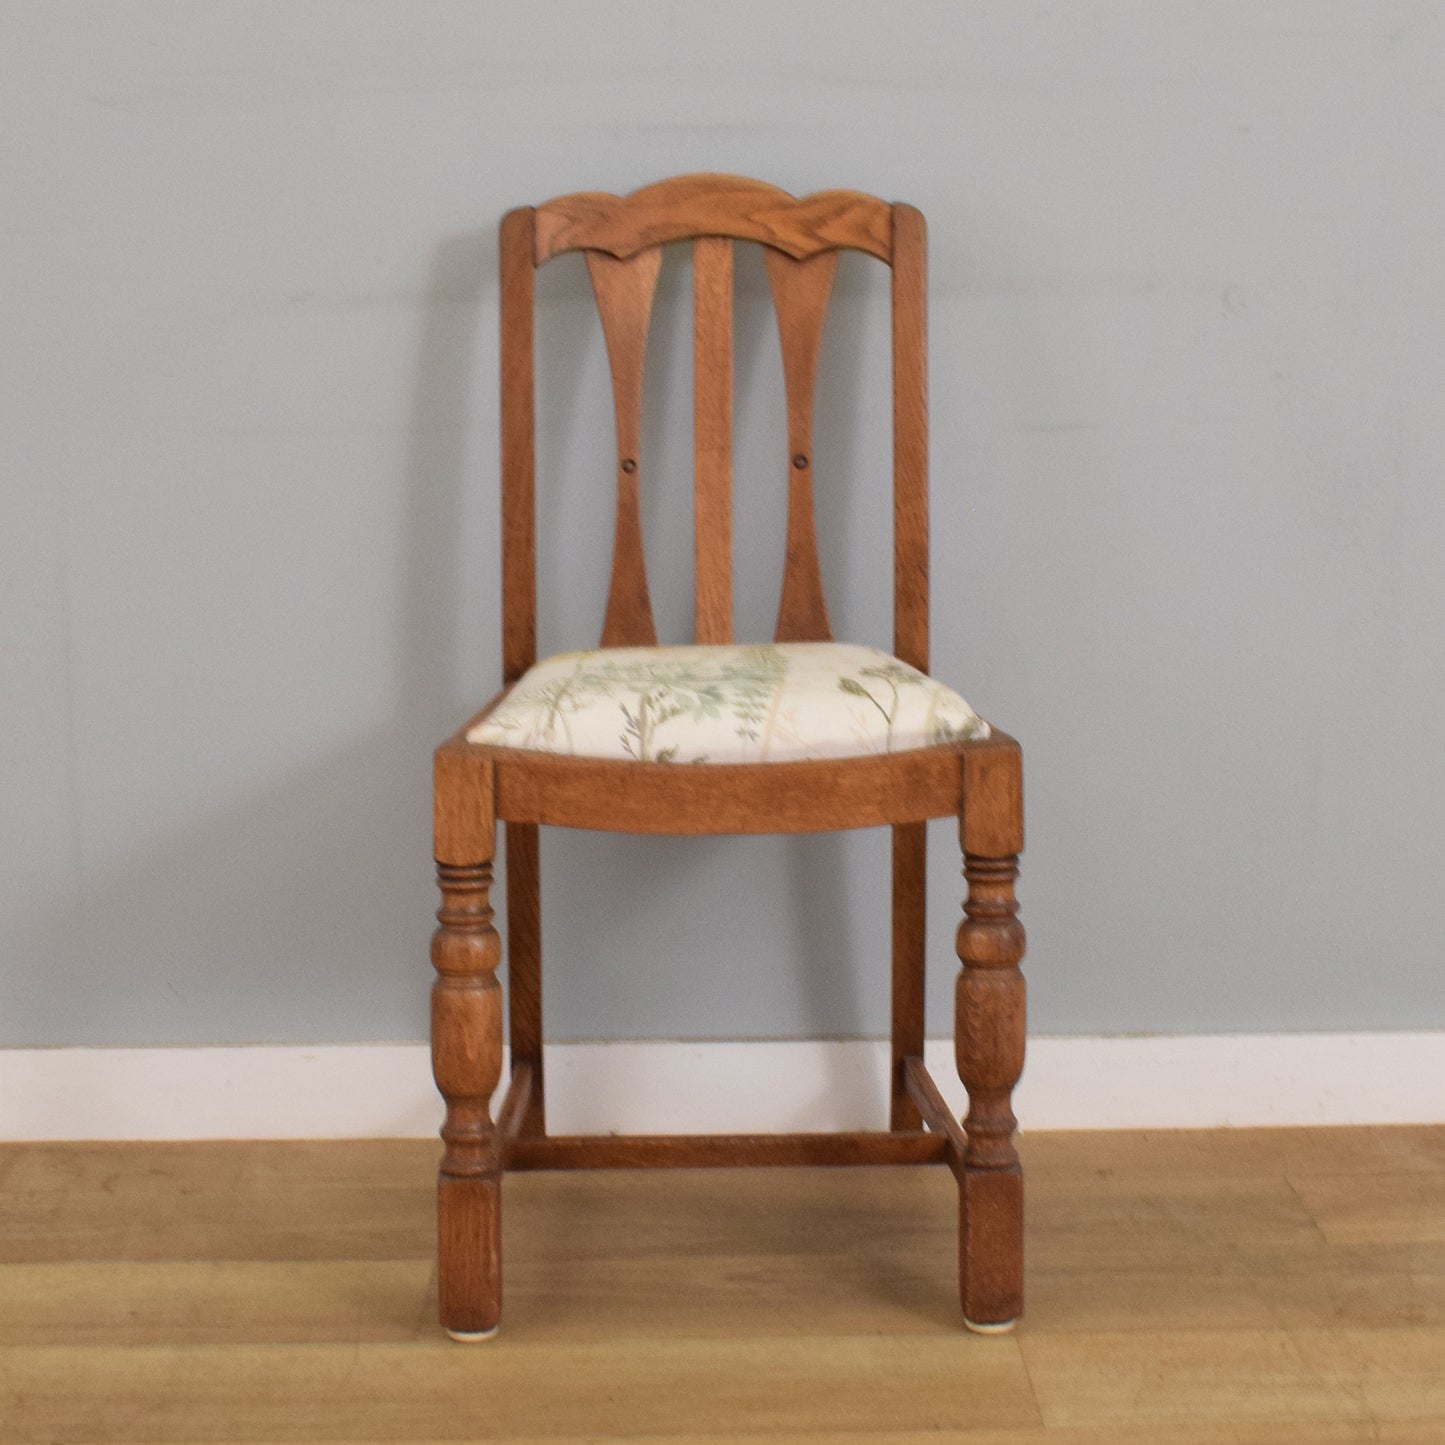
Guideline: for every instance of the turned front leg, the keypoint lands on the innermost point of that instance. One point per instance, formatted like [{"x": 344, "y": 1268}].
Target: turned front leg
[
  {"x": 466, "y": 1028},
  {"x": 989, "y": 1040}
]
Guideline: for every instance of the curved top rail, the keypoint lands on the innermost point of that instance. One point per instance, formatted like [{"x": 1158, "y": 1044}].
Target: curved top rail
[{"x": 714, "y": 205}]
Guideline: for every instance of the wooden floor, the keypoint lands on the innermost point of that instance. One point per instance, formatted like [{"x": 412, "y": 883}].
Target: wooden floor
[{"x": 1253, "y": 1286}]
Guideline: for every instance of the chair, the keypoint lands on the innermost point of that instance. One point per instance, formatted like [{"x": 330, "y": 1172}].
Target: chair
[{"x": 797, "y": 735}]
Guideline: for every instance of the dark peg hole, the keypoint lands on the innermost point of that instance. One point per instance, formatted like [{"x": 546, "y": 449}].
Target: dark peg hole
[
  {"x": 628, "y": 465},
  {"x": 800, "y": 461}
]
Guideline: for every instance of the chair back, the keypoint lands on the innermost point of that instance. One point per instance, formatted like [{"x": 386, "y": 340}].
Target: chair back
[{"x": 621, "y": 238}]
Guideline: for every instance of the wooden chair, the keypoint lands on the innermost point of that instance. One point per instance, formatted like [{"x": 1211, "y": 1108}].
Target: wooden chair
[{"x": 512, "y": 761}]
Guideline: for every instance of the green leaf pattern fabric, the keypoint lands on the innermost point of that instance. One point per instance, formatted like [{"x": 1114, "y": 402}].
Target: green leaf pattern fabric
[{"x": 777, "y": 702}]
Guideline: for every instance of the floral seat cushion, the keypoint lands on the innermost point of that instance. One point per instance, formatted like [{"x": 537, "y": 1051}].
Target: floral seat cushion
[{"x": 775, "y": 703}]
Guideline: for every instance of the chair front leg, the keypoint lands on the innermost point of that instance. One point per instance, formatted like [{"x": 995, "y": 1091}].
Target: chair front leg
[
  {"x": 989, "y": 1042},
  {"x": 466, "y": 1029}
]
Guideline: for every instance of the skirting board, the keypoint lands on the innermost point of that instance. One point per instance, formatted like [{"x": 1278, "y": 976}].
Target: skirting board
[{"x": 385, "y": 1090}]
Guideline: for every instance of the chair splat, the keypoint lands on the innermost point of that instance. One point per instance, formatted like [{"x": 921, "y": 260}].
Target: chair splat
[
  {"x": 624, "y": 292},
  {"x": 800, "y": 296},
  {"x": 518, "y": 416},
  {"x": 712, "y": 429}
]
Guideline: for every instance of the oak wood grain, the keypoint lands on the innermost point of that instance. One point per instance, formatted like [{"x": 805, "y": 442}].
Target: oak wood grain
[
  {"x": 713, "y": 205},
  {"x": 581, "y": 1390},
  {"x": 934, "y": 1112},
  {"x": 516, "y": 1103},
  {"x": 712, "y": 427},
  {"x": 466, "y": 1036},
  {"x": 624, "y": 291},
  {"x": 989, "y": 1038},
  {"x": 612, "y": 795},
  {"x": 1254, "y": 1375},
  {"x": 909, "y": 915},
  {"x": 168, "y": 1302},
  {"x": 910, "y": 437},
  {"x": 1384, "y": 1208},
  {"x": 524, "y": 965},
  {"x": 518, "y": 438},
  {"x": 800, "y": 297},
  {"x": 712, "y": 1151},
  {"x": 215, "y": 1299}
]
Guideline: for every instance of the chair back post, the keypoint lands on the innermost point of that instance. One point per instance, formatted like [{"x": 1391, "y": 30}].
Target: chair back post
[
  {"x": 518, "y": 429},
  {"x": 910, "y": 437},
  {"x": 624, "y": 290}
]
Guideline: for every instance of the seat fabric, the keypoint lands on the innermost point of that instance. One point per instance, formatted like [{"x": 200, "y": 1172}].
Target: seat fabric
[{"x": 773, "y": 703}]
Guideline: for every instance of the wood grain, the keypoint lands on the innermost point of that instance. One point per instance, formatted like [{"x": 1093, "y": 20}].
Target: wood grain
[
  {"x": 466, "y": 1037},
  {"x": 1386, "y": 1209},
  {"x": 1258, "y": 1222},
  {"x": 933, "y": 1111},
  {"x": 1177, "y": 1375},
  {"x": 213, "y": 1298},
  {"x": 1390, "y": 1377},
  {"x": 909, "y": 916},
  {"x": 159, "y": 1302},
  {"x": 910, "y": 437},
  {"x": 712, "y": 428},
  {"x": 612, "y": 795},
  {"x": 624, "y": 291},
  {"x": 1195, "y": 1156},
  {"x": 800, "y": 297},
  {"x": 712, "y": 1151},
  {"x": 524, "y": 964},
  {"x": 516, "y": 1103},
  {"x": 576, "y": 1390},
  {"x": 518, "y": 438},
  {"x": 989, "y": 1037},
  {"x": 713, "y": 205}
]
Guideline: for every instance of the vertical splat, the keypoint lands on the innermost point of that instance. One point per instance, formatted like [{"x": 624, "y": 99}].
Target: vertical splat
[
  {"x": 712, "y": 429},
  {"x": 624, "y": 292},
  {"x": 800, "y": 296}
]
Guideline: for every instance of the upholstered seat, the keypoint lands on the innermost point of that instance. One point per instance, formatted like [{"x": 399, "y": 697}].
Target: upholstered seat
[{"x": 777, "y": 702}]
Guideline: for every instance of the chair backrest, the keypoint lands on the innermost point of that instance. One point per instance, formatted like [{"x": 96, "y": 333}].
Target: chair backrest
[{"x": 621, "y": 238}]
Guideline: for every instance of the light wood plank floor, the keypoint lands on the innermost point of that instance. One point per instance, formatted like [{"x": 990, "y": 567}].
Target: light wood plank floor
[{"x": 1251, "y": 1287}]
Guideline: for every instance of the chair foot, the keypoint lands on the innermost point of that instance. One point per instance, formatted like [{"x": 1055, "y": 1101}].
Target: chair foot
[
  {"x": 1001, "y": 1327},
  {"x": 473, "y": 1337}
]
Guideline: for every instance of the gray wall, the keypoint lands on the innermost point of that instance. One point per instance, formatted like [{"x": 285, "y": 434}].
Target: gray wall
[{"x": 1188, "y": 305}]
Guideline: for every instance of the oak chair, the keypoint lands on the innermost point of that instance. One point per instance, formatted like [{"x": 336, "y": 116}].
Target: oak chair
[{"x": 777, "y": 738}]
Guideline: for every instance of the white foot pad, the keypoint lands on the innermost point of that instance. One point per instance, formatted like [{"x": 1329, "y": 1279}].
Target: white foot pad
[
  {"x": 1003, "y": 1327},
  {"x": 468, "y": 1337}
]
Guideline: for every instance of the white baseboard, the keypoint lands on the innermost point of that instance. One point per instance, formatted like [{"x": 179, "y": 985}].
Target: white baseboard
[{"x": 385, "y": 1090}]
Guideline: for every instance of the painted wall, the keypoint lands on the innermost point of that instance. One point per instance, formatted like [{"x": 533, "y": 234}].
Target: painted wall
[{"x": 1189, "y": 531}]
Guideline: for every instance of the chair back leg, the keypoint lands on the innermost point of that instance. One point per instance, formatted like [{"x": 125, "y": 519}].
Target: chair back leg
[
  {"x": 910, "y": 861},
  {"x": 524, "y": 966}
]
